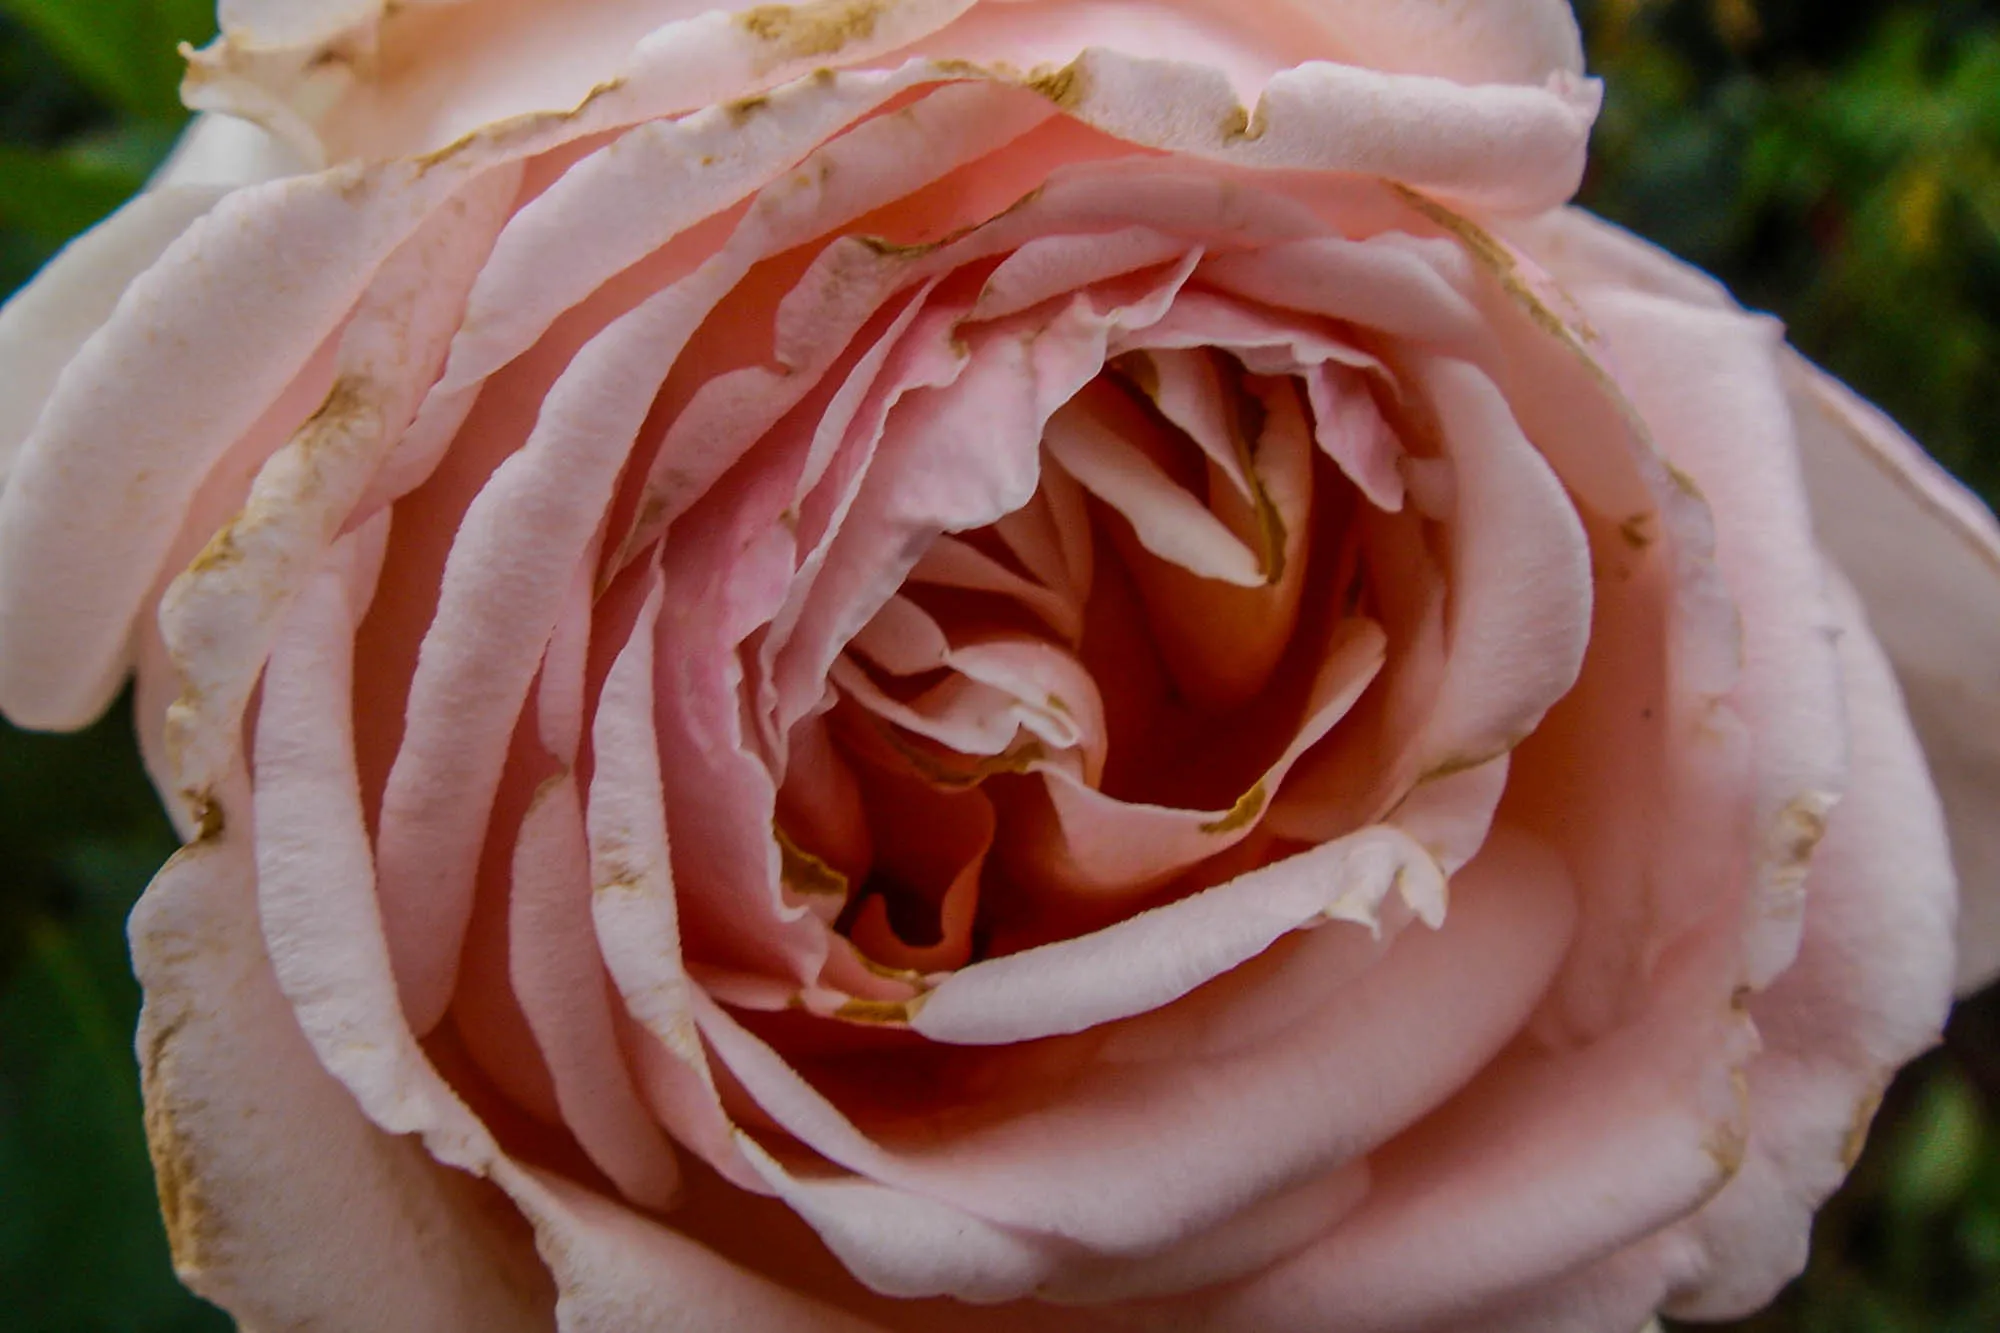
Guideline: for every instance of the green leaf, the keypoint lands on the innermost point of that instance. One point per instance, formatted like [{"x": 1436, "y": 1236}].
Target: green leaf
[
  {"x": 124, "y": 50},
  {"x": 53, "y": 195},
  {"x": 88, "y": 1251}
]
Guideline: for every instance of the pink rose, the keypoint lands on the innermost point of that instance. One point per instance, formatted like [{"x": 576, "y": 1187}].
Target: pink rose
[{"x": 905, "y": 664}]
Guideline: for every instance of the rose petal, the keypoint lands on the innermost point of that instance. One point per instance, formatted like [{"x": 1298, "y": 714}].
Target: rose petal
[
  {"x": 657, "y": 180},
  {"x": 1925, "y": 558},
  {"x": 1708, "y": 385},
  {"x": 232, "y": 1095},
  {"x": 1656, "y": 1108},
  {"x": 559, "y": 979},
  {"x": 1151, "y": 959},
  {"x": 1868, "y": 992},
  {"x": 633, "y": 902},
  {"x": 1264, "y": 1121},
  {"x": 519, "y": 69},
  {"x": 220, "y": 615},
  {"x": 43, "y": 325},
  {"x": 299, "y": 253}
]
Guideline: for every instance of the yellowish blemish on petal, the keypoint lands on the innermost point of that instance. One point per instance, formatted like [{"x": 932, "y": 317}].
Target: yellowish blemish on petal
[
  {"x": 805, "y": 873},
  {"x": 1800, "y": 826},
  {"x": 208, "y": 819},
  {"x": 191, "y": 1224},
  {"x": 1637, "y": 531},
  {"x": 1243, "y": 125},
  {"x": 1727, "y": 1141},
  {"x": 1865, "y": 1108},
  {"x": 1500, "y": 262},
  {"x": 817, "y": 29},
  {"x": 525, "y": 125},
  {"x": 1066, "y": 87},
  {"x": 881, "y": 1013},
  {"x": 1248, "y": 806}
]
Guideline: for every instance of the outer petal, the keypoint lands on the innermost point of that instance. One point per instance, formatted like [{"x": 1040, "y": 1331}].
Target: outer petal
[
  {"x": 45, "y": 323},
  {"x": 1868, "y": 992},
  {"x": 1923, "y": 553},
  {"x": 1925, "y": 558},
  {"x": 141, "y": 415},
  {"x": 1486, "y": 41},
  {"x": 366, "y": 1231}
]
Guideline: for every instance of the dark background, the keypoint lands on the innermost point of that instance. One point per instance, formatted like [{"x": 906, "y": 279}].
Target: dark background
[{"x": 1836, "y": 161}]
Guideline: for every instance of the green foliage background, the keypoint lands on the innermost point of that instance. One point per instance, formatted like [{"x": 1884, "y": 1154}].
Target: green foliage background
[{"x": 1836, "y": 161}]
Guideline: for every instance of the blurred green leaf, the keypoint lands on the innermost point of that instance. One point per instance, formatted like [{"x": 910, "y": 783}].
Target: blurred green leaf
[
  {"x": 53, "y": 195},
  {"x": 124, "y": 50},
  {"x": 88, "y": 1254}
]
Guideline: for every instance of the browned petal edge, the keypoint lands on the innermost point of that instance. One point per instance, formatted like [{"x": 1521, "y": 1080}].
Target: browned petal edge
[
  {"x": 804, "y": 873},
  {"x": 817, "y": 28},
  {"x": 1865, "y": 1107},
  {"x": 1248, "y": 806},
  {"x": 349, "y": 404},
  {"x": 190, "y": 1224}
]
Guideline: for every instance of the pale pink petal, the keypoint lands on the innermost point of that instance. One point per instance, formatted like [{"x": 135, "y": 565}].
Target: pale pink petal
[
  {"x": 1484, "y": 42},
  {"x": 220, "y": 615},
  {"x": 951, "y": 563},
  {"x": 658, "y": 180},
  {"x": 933, "y": 843},
  {"x": 224, "y": 151},
  {"x": 501, "y": 593},
  {"x": 298, "y": 253},
  {"x": 1151, "y": 959},
  {"x": 1169, "y": 521},
  {"x": 1657, "y": 1108},
  {"x": 559, "y": 979},
  {"x": 617, "y": 1272},
  {"x": 1708, "y": 385},
  {"x": 1647, "y": 749},
  {"x": 1925, "y": 558},
  {"x": 846, "y": 286},
  {"x": 1405, "y": 287},
  {"x": 726, "y": 573},
  {"x": 633, "y": 902},
  {"x": 375, "y": 80},
  {"x": 1513, "y": 41},
  {"x": 1617, "y": 1293},
  {"x": 1585, "y": 251},
  {"x": 1921, "y": 551},
  {"x": 934, "y": 472},
  {"x": 845, "y": 437},
  {"x": 1868, "y": 992},
  {"x": 1222, "y": 644},
  {"x": 1349, "y": 428},
  {"x": 1046, "y": 267},
  {"x": 904, "y": 1244},
  {"x": 44, "y": 324},
  {"x": 1001, "y": 685},
  {"x": 1251, "y": 1240},
  {"x": 318, "y": 916},
  {"x": 368, "y": 1230},
  {"x": 1520, "y": 610},
  {"x": 1240, "y": 1128},
  {"x": 1504, "y": 148}
]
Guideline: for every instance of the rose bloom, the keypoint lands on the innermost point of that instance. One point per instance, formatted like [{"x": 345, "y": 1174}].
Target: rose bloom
[{"x": 928, "y": 665}]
